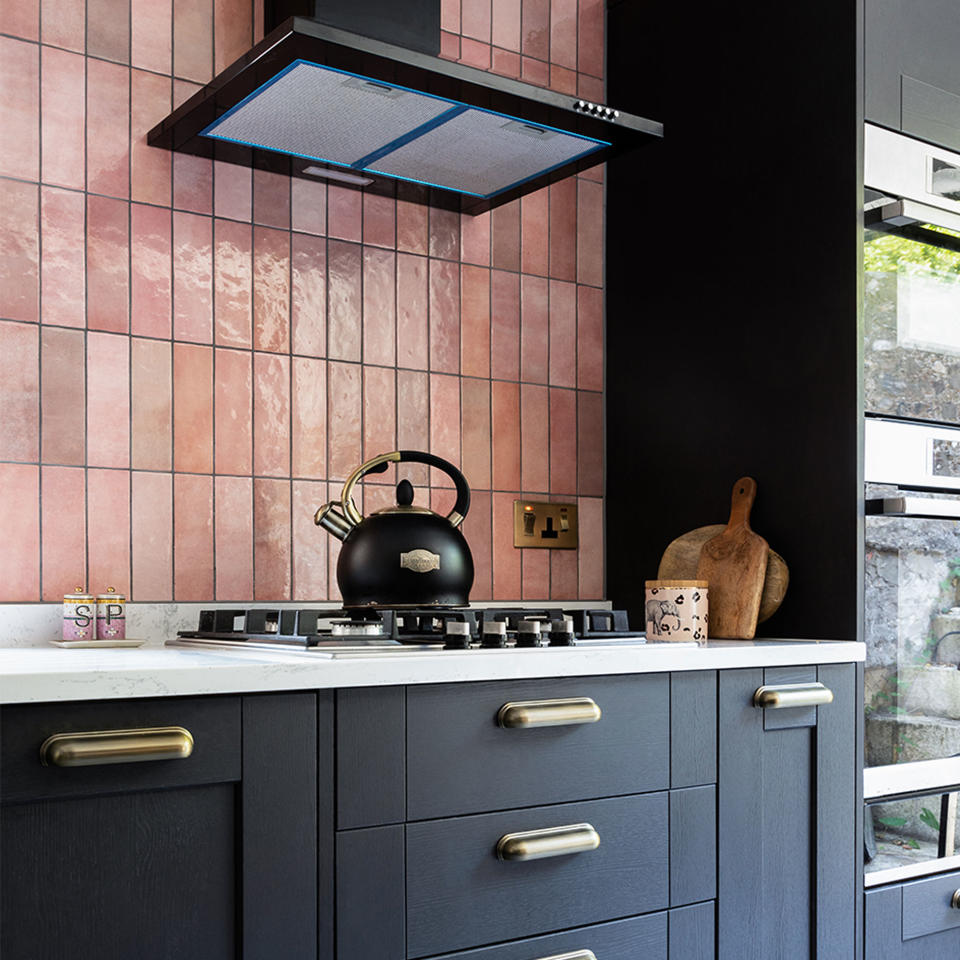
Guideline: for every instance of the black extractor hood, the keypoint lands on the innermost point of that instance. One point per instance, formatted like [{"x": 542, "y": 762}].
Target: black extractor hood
[{"x": 314, "y": 100}]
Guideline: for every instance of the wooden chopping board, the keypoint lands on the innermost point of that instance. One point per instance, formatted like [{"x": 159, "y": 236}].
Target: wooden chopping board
[
  {"x": 680, "y": 559},
  {"x": 734, "y": 564}
]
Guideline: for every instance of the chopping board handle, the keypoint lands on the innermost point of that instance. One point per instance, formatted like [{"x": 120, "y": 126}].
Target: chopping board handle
[{"x": 744, "y": 493}]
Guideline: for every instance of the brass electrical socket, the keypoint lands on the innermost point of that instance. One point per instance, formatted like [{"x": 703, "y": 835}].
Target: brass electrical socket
[{"x": 551, "y": 526}]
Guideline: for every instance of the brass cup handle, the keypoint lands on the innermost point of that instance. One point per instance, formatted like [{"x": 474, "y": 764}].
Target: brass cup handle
[
  {"x": 792, "y": 695},
  {"x": 955, "y": 900},
  {"x": 98, "y": 747},
  {"x": 548, "y": 713},
  {"x": 550, "y": 842},
  {"x": 576, "y": 955}
]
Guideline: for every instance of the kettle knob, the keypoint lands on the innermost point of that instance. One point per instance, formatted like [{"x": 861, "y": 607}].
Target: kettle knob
[{"x": 404, "y": 493}]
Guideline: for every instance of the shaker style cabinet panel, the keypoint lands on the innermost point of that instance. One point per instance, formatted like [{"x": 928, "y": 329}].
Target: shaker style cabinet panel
[{"x": 206, "y": 856}]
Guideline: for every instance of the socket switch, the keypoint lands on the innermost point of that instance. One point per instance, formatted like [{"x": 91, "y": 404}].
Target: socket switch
[{"x": 544, "y": 525}]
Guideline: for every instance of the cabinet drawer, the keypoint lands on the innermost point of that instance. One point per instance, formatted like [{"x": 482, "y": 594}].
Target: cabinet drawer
[
  {"x": 460, "y": 760},
  {"x": 460, "y": 894},
  {"x": 926, "y": 905},
  {"x": 213, "y": 722}
]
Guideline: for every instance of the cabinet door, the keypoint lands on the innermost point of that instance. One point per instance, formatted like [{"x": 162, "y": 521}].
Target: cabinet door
[{"x": 787, "y": 819}]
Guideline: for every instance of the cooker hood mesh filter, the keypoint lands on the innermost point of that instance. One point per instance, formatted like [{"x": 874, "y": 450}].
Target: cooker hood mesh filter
[{"x": 389, "y": 129}]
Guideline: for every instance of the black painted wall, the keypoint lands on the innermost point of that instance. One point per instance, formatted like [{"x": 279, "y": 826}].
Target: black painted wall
[{"x": 733, "y": 293}]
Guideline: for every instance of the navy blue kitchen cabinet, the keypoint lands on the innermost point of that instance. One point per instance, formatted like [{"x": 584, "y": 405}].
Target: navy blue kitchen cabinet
[
  {"x": 209, "y": 856},
  {"x": 914, "y": 920},
  {"x": 912, "y": 70}
]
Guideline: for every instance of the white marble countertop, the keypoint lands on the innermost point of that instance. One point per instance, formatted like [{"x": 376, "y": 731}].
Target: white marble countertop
[{"x": 33, "y": 675}]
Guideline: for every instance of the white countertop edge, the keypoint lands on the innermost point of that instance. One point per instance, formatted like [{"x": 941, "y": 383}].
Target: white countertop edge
[{"x": 40, "y": 675}]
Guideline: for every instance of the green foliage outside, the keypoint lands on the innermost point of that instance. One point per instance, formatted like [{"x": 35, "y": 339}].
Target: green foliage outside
[{"x": 887, "y": 253}]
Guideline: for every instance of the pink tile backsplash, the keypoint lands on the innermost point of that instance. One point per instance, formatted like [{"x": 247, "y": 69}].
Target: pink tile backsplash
[{"x": 219, "y": 348}]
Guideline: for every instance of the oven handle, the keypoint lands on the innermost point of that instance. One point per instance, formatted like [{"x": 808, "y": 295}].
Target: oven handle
[{"x": 926, "y": 508}]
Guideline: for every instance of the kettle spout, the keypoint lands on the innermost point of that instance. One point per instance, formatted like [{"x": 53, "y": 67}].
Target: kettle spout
[{"x": 332, "y": 520}]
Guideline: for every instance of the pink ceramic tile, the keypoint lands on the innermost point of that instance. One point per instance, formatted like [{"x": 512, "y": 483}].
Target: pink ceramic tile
[
  {"x": 232, "y": 191},
  {"x": 344, "y": 293},
  {"x": 232, "y": 283},
  {"x": 344, "y": 213},
  {"x": 258, "y": 19},
  {"x": 20, "y": 109},
  {"x": 506, "y": 63},
  {"x": 150, "y": 167},
  {"x": 534, "y": 329},
  {"x": 193, "y": 537},
  {"x": 309, "y": 418},
  {"x": 377, "y": 496},
  {"x": 108, "y": 252},
  {"x": 413, "y": 419},
  {"x": 20, "y": 522},
  {"x": 564, "y": 580},
  {"x": 444, "y": 233},
  {"x": 64, "y": 548},
  {"x": 590, "y": 37},
  {"x": 108, "y": 400},
  {"x": 563, "y": 229},
  {"x": 379, "y": 220},
  {"x": 536, "y": 29},
  {"x": 505, "y": 325},
  {"x": 591, "y": 88},
  {"x": 506, "y": 435},
  {"x": 192, "y": 408},
  {"x": 590, "y": 232},
  {"x": 108, "y": 530},
  {"x": 450, "y": 15},
  {"x": 272, "y": 573},
  {"x": 233, "y": 538},
  {"x": 563, "y": 33},
  {"x": 379, "y": 413},
  {"x": 475, "y": 431},
  {"x": 62, "y": 396},
  {"x": 150, "y": 259},
  {"x": 150, "y": 40},
  {"x": 62, "y": 279},
  {"x": 21, "y": 19},
  {"x": 475, "y": 239},
  {"x": 193, "y": 39},
  {"x": 151, "y": 503},
  {"x": 505, "y": 236},
  {"x": 506, "y": 24},
  {"x": 108, "y": 128},
  {"x": 271, "y": 415},
  {"x": 444, "y": 316},
  {"x": 412, "y": 219},
  {"x": 308, "y": 309},
  {"x": 475, "y": 54},
  {"x": 379, "y": 306},
  {"x": 477, "y": 528},
  {"x": 449, "y": 45},
  {"x": 563, "y": 334},
  {"x": 19, "y": 391},
  {"x": 192, "y": 277},
  {"x": 151, "y": 392},
  {"x": 344, "y": 419},
  {"x": 412, "y": 332},
  {"x": 506, "y": 558},
  {"x": 19, "y": 254},
  {"x": 232, "y": 31},
  {"x": 590, "y": 517},
  {"x": 590, "y": 443},
  {"x": 271, "y": 199},
  {"x": 563, "y": 80},
  {"x": 64, "y": 22},
  {"x": 475, "y": 321},
  {"x": 475, "y": 19},
  {"x": 63, "y": 114},
  {"x": 183, "y": 90},
  {"x": 534, "y": 71},
  {"x": 233, "y": 411},
  {"x": 589, "y": 338},
  {"x": 535, "y": 433},
  {"x": 108, "y": 29},
  {"x": 563, "y": 441},
  {"x": 308, "y": 206},
  {"x": 192, "y": 183},
  {"x": 309, "y": 542},
  {"x": 593, "y": 173},
  {"x": 535, "y": 566},
  {"x": 534, "y": 233},
  {"x": 442, "y": 500},
  {"x": 444, "y": 424}
]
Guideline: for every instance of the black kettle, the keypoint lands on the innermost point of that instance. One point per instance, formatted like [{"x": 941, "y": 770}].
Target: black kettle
[{"x": 402, "y": 556}]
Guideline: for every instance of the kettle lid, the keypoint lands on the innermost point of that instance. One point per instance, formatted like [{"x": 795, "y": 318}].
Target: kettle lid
[{"x": 404, "y": 502}]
